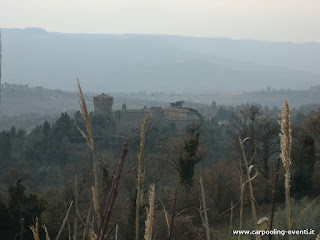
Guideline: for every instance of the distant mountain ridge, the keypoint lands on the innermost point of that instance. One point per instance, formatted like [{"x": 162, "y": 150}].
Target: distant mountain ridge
[{"x": 133, "y": 62}]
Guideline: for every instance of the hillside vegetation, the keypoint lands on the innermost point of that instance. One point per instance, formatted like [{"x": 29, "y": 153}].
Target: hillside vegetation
[{"x": 79, "y": 168}]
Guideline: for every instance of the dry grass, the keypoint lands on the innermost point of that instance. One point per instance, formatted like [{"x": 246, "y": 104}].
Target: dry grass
[
  {"x": 241, "y": 199},
  {"x": 149, "y": 221},
  {"x": 249, "y": 181},
  {"x": 46, "y": 231},
  {"x": 90, "y": 142},
  {"x": 64, "y": 221},
  {"x": 35, "y": 230},
  {"x": 285, "y": 144},
  {"x": 206, "y": 222},
  {"x": 140, "y": 175},
  {"x": 166, "y": 216}
]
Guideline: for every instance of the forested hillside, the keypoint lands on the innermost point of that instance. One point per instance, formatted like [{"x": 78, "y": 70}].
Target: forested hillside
[{"x": 41, "y": 169}]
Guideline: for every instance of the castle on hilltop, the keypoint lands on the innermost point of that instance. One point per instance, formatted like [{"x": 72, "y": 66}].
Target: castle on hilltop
[
  {"x": 103, "y": 103},
  {"x": 128, "y": 119}
]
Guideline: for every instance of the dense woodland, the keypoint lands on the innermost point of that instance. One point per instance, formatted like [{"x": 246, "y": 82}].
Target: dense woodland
[{"x": 45, "y": 169}]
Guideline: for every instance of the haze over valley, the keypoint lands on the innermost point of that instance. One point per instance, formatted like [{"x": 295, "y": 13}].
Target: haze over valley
[{"x": 132, "y": 62}]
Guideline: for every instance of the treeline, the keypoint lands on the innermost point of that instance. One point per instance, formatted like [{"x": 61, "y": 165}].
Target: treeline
[{"x": 14, "y": 86}]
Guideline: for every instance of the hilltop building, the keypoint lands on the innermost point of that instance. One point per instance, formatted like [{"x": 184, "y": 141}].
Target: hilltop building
[
  {"x": 103, "y": 104},
  {"x": 128, "y": 119}
]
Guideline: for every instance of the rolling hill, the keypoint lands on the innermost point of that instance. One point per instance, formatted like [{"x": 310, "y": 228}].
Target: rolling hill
[{"x": 155, "y": 62}]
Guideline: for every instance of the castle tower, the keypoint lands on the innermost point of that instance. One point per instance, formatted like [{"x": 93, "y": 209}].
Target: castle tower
[{"x": 103, "y": 104}]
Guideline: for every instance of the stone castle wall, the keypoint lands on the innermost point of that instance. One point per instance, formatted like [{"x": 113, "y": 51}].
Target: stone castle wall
[{"x": 128, "y": 120}]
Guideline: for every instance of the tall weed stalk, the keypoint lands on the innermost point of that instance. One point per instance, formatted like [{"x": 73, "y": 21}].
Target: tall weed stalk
[
  {"x": 90, "y": 142},
  {"x": 249, "y": 181},
  {"x": 285, "y": 145},
  {"x": 150, "y": 212},
  {"x": 140, "y": 175}
]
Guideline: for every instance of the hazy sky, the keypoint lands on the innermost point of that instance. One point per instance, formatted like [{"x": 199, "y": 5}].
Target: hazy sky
[{"x": 274, "y": 20}]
